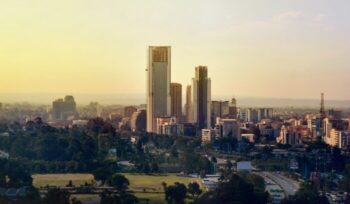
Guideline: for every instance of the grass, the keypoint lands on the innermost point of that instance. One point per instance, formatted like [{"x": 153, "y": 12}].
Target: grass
[
  {"x": 153, "y": 183},
  {"x": 146, "y": 187},
  {"x": 41, "y": 180}
]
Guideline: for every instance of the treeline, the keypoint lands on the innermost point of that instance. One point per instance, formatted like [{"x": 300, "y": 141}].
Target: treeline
[
  {"x": 238, "y": 188},
  {"x": 43, "y": 148}
]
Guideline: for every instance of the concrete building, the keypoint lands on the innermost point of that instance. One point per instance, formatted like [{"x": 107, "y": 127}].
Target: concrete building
[
  {"x": 344, "y": 140},
  {"x": 289, "y": 135},
  {"x": 265, "y": 113},
  {"x": 188, "y": 105},
  {"x": 158, "y": 84},
  {"x": 64, "y": 108},
  {"x": 201, "y": 98},
  {"x": 219, "y": 109},
  {"x": 232, "y": 110},
  {"x": 227, "y": 128},
  {"x": 208, "y": 135},
  {"x": 169, "y": 126},
  {"x": 252, "y": 115},
  {"x": 333, "y": 130},
  {"x": 176, "y": 101},
  {"x": 243, "y": 114}
]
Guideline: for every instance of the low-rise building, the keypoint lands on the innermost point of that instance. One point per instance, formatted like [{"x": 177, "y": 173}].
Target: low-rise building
[{"x": 208, "y": 135}]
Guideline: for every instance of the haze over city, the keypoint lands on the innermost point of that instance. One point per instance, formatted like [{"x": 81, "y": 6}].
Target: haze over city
[
  {"x": 293, "y": 49},
  {"x": 175, "y": 102}
]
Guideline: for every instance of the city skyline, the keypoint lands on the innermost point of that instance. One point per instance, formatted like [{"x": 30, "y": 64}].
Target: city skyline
[{"x": 253, "y": 50}]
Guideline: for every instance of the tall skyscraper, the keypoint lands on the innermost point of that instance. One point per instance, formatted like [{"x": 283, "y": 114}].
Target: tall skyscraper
[
  {"x": 158, "y": 84},
  {"x": 176, "y": 100},
  {"x": 201, "y": 98},
  {"x": 188, "y": 106}
]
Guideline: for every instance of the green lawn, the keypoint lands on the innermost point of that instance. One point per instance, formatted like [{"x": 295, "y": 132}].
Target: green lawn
[
  {"x": 152, "y": 184},
  {"x": 138, "y": 182},
  {"x": 40, "y": 180},
  {"x": 145, "y": 186}
]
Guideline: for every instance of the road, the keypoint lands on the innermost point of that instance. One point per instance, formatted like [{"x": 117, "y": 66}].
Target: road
[
  {"x": 276, "y": 192},
  {"x": 289, "y": 186}
]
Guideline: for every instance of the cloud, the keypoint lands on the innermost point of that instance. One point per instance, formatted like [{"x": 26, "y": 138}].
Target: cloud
[{"x": 289, "y": 16}]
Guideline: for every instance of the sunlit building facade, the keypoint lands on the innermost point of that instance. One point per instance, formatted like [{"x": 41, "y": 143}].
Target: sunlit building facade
[{"x": 158, "y": 84}]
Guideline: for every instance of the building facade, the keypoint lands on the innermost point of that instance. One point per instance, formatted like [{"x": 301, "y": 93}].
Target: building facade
[
  {"x": 201, "y": 98},
  {"x": 188, "y": 105},
  {"x": 176, "y": 101},
  {"x": 158, "y": 84}
]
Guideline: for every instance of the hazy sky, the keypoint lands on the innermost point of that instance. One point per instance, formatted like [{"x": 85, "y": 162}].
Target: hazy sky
[{"x": 264, "y": 48}]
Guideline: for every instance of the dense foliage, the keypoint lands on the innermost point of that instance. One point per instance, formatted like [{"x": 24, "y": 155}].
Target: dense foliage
[{"x": 238, "y": 189}]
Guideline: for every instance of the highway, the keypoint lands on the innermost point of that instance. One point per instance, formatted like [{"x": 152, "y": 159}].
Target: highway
[
  {"x": 289, "y": 186},
  {"x": 276, "y": 192}
]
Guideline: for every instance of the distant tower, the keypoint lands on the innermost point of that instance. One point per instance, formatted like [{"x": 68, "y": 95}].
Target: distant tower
[
  {"x": 176, "y": 100},
  {"x": 188, "y": 106},
  {"x": 201, "y": 98},
  {"x": 322, "y": 110}
]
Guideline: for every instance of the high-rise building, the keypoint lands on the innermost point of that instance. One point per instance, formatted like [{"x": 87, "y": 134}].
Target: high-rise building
[
  {"x": 219, "y": 109},
  {"x": 176, "y": 100},
  {"x": 188, "y": 106},
  {"x": 158, "y": 84},
  {"x": 265, "y": 113},
  {"x": 232, "y": 109},
  {"x": 201, "y": 98},
  {"x": 227, "y": 128},
  {"x": 62, "y": 108},
  {"x": 252, "y": 115}
]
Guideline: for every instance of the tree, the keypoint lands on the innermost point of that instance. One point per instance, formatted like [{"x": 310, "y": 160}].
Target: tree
[
  {"x": 56, "y": 196},
  {"x": 118, "y": 198},
  {"x": 229, "y": 165},
  {"x": 155, "y": 167},
  {"x": 236, "y": 190},
  {"x": 176, "y": 193},
  {"x": 120, "y": 182},
  {"x": 194, "y": 189},
  {"x": 102, "y": 174},
  {"x": 307, "y": 194}
]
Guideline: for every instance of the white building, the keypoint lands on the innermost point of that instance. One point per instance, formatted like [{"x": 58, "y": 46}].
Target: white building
[
  {"x": 244, "y": 166},
  {"x": 158, "y": 84}
]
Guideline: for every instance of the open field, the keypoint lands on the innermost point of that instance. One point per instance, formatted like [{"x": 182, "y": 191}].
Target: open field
[
  {"x": 139, "y": 182},
  {"x": 40, "y": 180},
  {"x": 145, "y": 186},
  {"x": 150, "y": 186}
]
